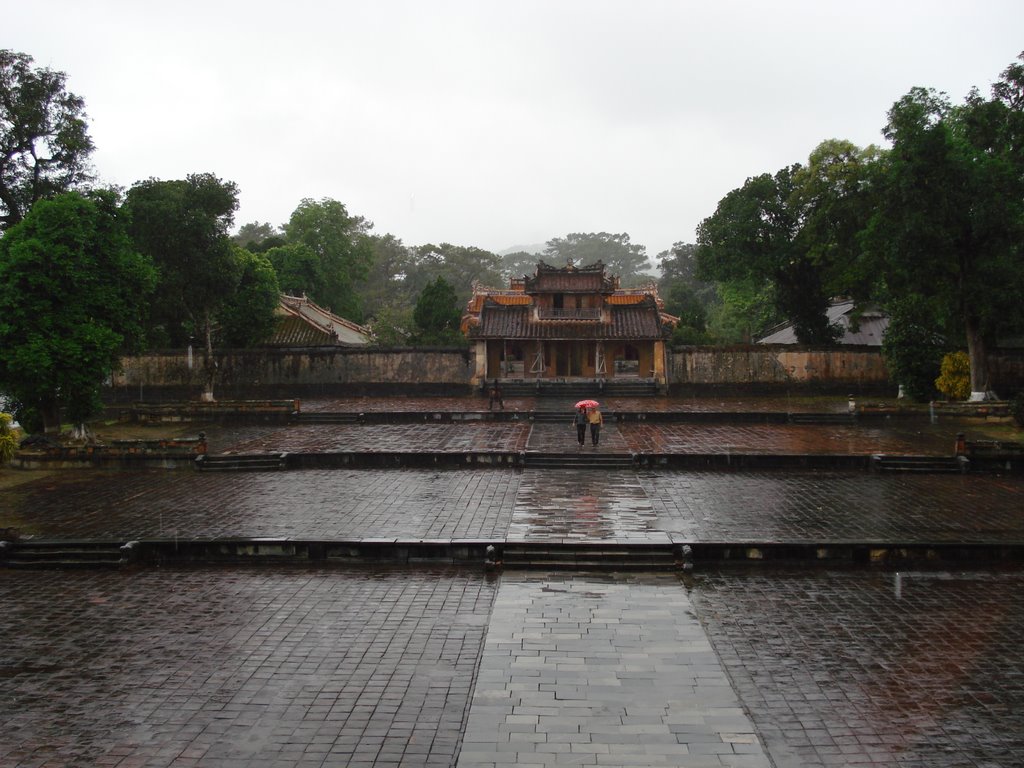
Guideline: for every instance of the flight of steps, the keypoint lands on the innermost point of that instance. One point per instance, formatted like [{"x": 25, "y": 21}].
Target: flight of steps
[
  {"x": 68, "y": 554},
  {"x": 822, "y": 418},
  {"x": 259, "y": 462},
  {"x": 589, "y": 556},
  {"x": 920, "y": 464},
  {"x": 325, "y": 417},
  {"x": 584, "y": 459}
]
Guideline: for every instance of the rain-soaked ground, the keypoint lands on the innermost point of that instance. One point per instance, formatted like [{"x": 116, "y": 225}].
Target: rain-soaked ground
[
  {"x": 413, "y": 667},
  {"x": 303, "y": 666}
]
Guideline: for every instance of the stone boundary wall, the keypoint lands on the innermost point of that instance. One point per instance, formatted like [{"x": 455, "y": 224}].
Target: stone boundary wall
[
  {"x": 311, "y": 372},
  {"x": 779, "y": 366},
  {"x": 290, "y": 373}
]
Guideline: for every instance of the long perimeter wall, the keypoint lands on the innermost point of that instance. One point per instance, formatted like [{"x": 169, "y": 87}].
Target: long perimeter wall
[{"x": 331, "y": 371}]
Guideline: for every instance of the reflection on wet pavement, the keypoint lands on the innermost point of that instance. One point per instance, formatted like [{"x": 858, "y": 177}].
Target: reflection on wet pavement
[
  {"x": 327, "y": 438},
  {"x": 616, "y": 437},
  {"x": 867, "y": 668},
  {"x": 566, "y": 506},
  {"x": 788, "y": 439},
  {"x": 225, "y": 668}
]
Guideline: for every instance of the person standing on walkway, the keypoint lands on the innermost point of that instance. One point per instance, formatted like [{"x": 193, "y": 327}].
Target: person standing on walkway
[
  {"x": 495, "y": 395},
  {"x": 580, "y": 420},
  {"x": 596, "y": 420}
]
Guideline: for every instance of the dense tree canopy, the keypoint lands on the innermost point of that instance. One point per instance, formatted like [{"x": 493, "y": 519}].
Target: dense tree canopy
[
  {"x": 182, "y": 225},
  {"x": 44, "y": 139},
  {"x": 459, "y": 265},
  {"x": 72, "y": 296},
  {"x": 621, "y": 257},
  {"x": 340, "y": 242},
  {"x": 388, "y": 283},
  {"x": 437, "y": 314},
  {"x": 519, "y": 263},
  {"x": 247, "y": 316},
  {"x": 797, "y": 230},
  {"x": 256, "y": 234},
  {"x": 951, "y": 224}
]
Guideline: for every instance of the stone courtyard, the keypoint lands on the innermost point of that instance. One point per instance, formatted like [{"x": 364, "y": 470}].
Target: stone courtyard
[{"x": 323, "y": 664}]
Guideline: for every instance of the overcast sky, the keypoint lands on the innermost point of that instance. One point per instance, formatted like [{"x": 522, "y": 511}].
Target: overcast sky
[{"x": 496, "y": 124}]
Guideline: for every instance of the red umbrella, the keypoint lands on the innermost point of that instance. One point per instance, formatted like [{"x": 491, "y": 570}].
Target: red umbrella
[{"x": 587, "y": 404}]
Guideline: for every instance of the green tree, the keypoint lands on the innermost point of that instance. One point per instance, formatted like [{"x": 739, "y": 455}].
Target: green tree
[
  {"x": 459, "y": 265},
  {"x": 621, "y": 257},
  {"x": 44, "y": 139},
  {"x": 182, "y": 225},
  {"x": 73, "y": 292},
  {"x": 297, "y": 268},
  {"x": 685, "y": 296},
  {"x": 437, "y": 315},
  {"x": 253, "y": 235},
  {"x": 951, "y": 225},
  {"x": 387, "y": 284},
  {"x": 341, "y": 243},
  {"x": 913, "y": 345},
  {"x": 744, "y": 310},
  {"x": 798, "y": 230},
  {"x": 393, "y": 326},
  {"x": 518, "y": 264},
  {"x": 248, "y": 315}
]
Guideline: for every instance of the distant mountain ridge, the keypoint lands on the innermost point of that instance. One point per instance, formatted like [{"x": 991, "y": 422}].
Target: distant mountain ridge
[{"x": 537, "y": 248}]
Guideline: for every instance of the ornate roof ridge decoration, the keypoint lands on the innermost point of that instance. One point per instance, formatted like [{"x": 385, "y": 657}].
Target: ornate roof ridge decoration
[
  {"x": 323, "y": 319},
  {"x": 570, "y": 279}
]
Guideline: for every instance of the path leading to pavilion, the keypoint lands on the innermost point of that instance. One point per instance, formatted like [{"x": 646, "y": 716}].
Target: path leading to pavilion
[{"x": 602, "y": 670}]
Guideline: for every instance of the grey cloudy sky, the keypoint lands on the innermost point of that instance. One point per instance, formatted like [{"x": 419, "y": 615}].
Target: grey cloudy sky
[{"x": 499, "y": 124}]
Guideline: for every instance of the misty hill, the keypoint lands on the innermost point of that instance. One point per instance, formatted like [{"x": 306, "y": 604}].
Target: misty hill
[{"x": 537, "y": 248}]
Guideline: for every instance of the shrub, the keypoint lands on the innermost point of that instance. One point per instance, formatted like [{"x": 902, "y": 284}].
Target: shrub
[
  {"x": 8, "y": 440},
  {"x": 955, "y": 376},
  {"x": 1017, "y": 409},
  {"x": 912, "y": 348}
]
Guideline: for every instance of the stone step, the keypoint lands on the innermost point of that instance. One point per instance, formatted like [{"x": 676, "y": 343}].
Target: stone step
[
  {"x": 589, "y": 557},
  {"x": 242, "y": 463},
  {"x": 582, "y": 460},
  {"x": 920, "y": 464},
  {"x": 327, "y": 418},
  {"x": 822, "y": 418},
  {"x": 63, "y": 555}
]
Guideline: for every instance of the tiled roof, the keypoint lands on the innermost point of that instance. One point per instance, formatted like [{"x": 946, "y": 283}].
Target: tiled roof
[
  {"x": 301, "y": 323},
  {"x": 871, "y": 326},
  {"x": 627, "y": 322},
  {"x": 589, "y": 279}
]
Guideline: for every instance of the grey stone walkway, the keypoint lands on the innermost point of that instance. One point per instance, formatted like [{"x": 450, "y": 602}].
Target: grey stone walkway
[
  {"x": 602, "y": 671},
  {"x": 398, "y": 668}
]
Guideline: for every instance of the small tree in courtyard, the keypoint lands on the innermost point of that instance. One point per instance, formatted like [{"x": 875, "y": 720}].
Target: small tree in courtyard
[{"x": 437, "y": 314}]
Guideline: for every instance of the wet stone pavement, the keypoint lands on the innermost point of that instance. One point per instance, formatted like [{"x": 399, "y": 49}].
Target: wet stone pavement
[
  {"x": 238, "y": 668},
  {"x": 290, "y": 667},
  {"x": 623, "y": 437},
  {"x": 910, "y": 669},
  {"x": 531, "y": 504},
  {"x": 261, "y": 668}
]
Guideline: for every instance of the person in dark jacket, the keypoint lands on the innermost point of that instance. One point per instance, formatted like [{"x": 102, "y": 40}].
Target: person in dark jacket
[
  {"x": 495, "y": 395},
  {"x": 580, "y": 420}
]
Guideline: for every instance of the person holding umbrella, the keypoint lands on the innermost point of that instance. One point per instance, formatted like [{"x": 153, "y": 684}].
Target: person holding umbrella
[{"x": 588, "y": 408}]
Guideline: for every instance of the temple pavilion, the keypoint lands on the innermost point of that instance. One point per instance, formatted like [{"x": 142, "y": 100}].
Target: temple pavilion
[{"x": 568, "y": 323}]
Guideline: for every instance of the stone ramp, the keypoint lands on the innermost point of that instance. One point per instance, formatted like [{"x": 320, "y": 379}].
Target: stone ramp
[{"x": 602, "y": 670}]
